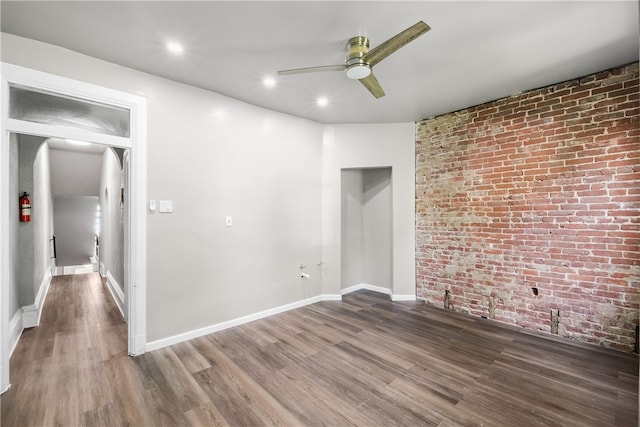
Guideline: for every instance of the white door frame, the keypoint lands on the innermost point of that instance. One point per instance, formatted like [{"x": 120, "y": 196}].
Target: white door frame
[{"x": 135, "y": 228}]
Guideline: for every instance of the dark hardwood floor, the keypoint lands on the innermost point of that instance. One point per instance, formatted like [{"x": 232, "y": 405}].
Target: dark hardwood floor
[{"x": 363, "y": 361}]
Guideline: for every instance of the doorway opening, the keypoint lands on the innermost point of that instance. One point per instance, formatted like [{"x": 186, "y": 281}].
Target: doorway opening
[
  {"x": 367, "y": 229},
  {"x": 69, "y": 218},
  {"x": 121, "y": 124}
]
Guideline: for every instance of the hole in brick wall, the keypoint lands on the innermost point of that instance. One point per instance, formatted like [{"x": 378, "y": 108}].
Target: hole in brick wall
[
  {"x": 555, "y": 320},
  {"x": 535, "y": 291}
]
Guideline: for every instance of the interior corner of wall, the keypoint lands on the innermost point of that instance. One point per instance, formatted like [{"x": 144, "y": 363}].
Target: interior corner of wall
[{"x": 328, "y": 134}]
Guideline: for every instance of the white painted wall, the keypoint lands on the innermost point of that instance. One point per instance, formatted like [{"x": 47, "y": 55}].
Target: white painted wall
[
  {"x": 377, "y": 228},
  {"x": 112, "y": 217},
  {"x": 42, "y": 219},
  {"x": 14, "y": 193},
  {"x": 31, "y": 158},
  {"x": 75, "y": 173},
  {"x": 75, "y": 224},
  {"x": 371, "y": 146},
  {"x": 29, "y": 270},
  {"x": 351, "y": 247},
  {"x": 213, "y": 157}
]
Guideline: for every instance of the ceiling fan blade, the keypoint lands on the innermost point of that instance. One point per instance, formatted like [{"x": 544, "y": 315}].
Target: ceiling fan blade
[
  {"x": 386, "y": 48},
  {"x": 373, "y": 86},
  {"x": 311, "y": 69}
]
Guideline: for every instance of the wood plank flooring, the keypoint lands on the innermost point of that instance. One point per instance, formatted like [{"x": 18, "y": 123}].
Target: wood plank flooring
[{"x": 364, "y": 361}]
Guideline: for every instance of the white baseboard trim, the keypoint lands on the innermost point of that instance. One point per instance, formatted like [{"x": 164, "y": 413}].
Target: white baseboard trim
[
  {"x": 379, "y": 289},
  {"x": 31, "y": 313},
  {"x": 366, "y": 286},
  {"x": 186, "y": 336},
  {"x": 166, "y": 342},
  {"x": 30, "y": 316},
  {"x": 65, "y": 270},
  {"x": 331, "y": 297},
  {"x": 116, "y": 293},
  {"x": 399, "y": 297},
  {"x": 15, "y": 330},
  {"x": 101, "y": 269}
]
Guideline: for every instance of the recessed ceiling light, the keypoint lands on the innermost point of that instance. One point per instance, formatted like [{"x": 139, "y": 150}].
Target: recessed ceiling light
[
  {"x": 323, "y": 101},
  {"x": 269, "y": 82},
  {"x": 219, "y": 114},
  {"x": 175, "y": 48}
]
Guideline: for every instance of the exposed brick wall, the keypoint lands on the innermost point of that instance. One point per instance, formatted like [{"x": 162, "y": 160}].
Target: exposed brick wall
[{"x": 538, "y": 190}]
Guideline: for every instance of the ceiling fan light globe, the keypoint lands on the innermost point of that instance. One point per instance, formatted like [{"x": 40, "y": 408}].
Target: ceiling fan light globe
[{"x": 358, "y": 71}]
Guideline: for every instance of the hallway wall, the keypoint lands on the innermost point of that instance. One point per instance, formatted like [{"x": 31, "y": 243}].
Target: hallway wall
[
  {"x": 42, "y": 219},
  {"x": 111, "y": 218},
  {"x": 32, "y": 238},
  {"x": 14, "y": 206},
  {"x": 75, "y": 225}
]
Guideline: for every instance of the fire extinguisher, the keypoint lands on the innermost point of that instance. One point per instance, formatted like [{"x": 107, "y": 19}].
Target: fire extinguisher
[{"x": 25, "y": 208}]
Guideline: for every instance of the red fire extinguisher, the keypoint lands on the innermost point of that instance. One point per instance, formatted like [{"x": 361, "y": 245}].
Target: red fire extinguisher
[{"x": 25, "y": 208}]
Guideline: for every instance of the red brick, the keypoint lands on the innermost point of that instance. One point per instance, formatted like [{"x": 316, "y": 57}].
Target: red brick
[{"x": 554, "y": 201}]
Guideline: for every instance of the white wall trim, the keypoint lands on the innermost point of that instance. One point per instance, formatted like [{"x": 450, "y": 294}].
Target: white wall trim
[
  {"x": 30, "y": 316},
  {"x": 379, "y": 289},
  {"x": 399, "y": 297},
  {"x": 31, "y": 313},
  {"x": 5, "y": 258},
  {"x": 136, "y": 220},
  {"x": 366, "y": 286},
  {"x": 186, "y": 336},
  {"x": 15, "y": 331},
  {"x": 116, "y": 293}
]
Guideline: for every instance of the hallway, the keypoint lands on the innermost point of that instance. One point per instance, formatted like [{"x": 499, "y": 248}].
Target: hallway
[{"x": 64, "y": 367}]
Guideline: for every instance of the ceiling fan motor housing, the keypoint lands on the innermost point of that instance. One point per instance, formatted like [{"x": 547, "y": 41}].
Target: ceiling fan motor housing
[{"x": 356, "y": 67}]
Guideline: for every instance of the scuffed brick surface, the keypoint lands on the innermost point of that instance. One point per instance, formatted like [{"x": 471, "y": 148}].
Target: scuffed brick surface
[{"x": 539, "y": 190}]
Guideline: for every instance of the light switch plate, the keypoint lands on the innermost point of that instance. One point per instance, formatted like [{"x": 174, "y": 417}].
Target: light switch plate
[{"x": 166, "y": 206}]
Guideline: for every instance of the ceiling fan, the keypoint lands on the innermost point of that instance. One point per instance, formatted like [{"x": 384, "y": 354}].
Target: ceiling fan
[{"x": 360, "y": 60}]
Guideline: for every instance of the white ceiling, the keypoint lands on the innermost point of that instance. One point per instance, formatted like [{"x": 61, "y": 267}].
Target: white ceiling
[{"x": 475, "y": 52}]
